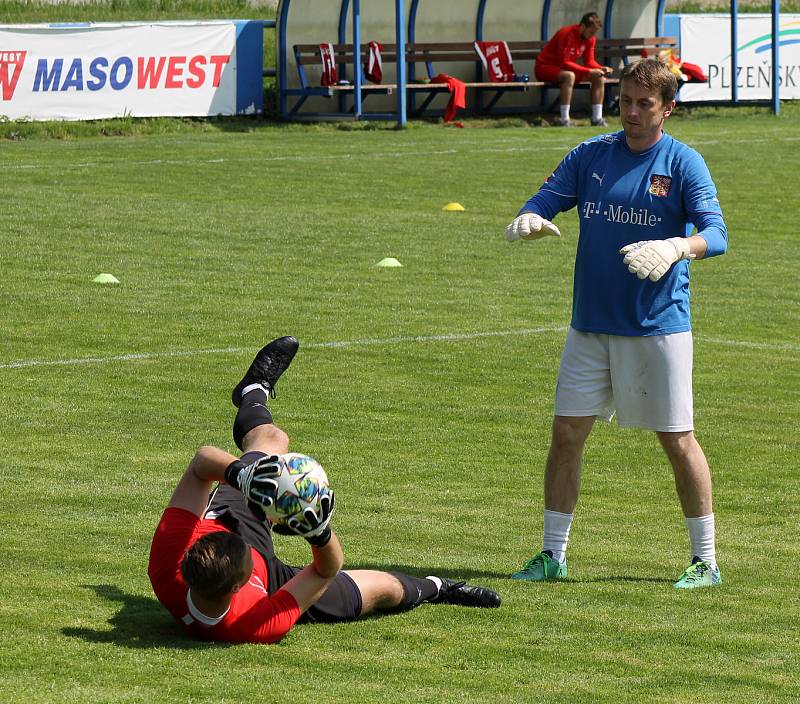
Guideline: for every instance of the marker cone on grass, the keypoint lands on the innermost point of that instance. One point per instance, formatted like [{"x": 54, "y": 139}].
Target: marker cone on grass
[
  {"x": 105, "y": 279},
  {"x": 388, "y": 262},
  {"x": 454, "y": 207}
]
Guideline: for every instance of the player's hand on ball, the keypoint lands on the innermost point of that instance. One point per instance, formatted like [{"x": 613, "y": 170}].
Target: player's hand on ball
[
  {"x": 530, "y": 226},
  {"x": 257, "y": 481},
  {"x": 313, "y": 525},
  {"x": 653, "y": 258}
]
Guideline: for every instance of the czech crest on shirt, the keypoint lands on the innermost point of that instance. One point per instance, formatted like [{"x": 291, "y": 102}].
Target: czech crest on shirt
[{"x": 660, "y": 185}]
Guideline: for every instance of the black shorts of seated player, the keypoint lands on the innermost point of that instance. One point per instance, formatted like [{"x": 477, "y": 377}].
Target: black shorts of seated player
[{"x": 213, "y": 563}]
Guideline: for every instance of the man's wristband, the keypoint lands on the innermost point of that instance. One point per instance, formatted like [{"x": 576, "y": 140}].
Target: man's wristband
[
  {"x": 232, "y": 473},
  {"x": 321, "y": 540}
]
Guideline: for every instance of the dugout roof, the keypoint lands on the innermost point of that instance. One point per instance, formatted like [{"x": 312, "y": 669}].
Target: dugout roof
[
  {"x": 420, "y": 21},
  {"x": 338, "y": 21}
]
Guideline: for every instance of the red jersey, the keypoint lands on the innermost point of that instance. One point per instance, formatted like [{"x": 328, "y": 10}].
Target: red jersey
[
  {"x": 253, "y": 616},
  {"x": 567, "y": 47}
]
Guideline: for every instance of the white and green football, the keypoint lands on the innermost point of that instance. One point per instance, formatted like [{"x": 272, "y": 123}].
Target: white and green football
[{"x": 302, "y": 482}]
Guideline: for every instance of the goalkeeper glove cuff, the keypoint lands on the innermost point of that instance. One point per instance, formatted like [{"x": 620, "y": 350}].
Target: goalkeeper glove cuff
[
  {"x": 321, "y": 540},
  {"x": 232, "y": 472},
  {"x": 682, "y": 249}
]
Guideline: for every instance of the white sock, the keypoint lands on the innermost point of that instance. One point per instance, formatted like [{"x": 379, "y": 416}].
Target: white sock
[
  {"x": 565, "y": 112},
  {"x": 253, "y": 387},
  {"x": 701, "y": 537},
  {"x": 597, "y": 111},
  {"x": 556, "y": 533},
  {"x": 436, "y": 581}
]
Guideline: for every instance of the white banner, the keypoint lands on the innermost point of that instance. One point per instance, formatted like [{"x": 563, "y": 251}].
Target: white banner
[
  {"x": 76, "y": 72},
  {"x": 706, "y": 41}
]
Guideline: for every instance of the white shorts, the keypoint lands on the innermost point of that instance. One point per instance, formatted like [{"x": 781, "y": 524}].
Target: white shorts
[{"x": 646, "y": 380}]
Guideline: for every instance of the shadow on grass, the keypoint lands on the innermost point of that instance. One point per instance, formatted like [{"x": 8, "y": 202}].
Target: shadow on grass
[
  {"x": 477, "y": 575},
  {"x": 621, "y": 578},
  {"x": 141, "y": 623},
  {"x": 417, "y": 571}
]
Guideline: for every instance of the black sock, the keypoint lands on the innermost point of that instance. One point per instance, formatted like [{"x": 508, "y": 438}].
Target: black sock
[
  {"x": 416, "y": 590},
  {"x": 252, "y": 413}
]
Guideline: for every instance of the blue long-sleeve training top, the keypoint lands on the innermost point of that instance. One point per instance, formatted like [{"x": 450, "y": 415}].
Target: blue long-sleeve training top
[{"x": 623, "y": 197}]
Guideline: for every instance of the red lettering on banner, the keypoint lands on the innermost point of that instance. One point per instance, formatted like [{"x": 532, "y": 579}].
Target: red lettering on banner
[
  {"x": 219, "y": 61},
  {"x": 149, "y": 73},
  {"x": 196, "y": 69},
  {"x": 8, "y": 82},
  {"x": 175, "y": 72},
  {"x": 151, "y": 70}
]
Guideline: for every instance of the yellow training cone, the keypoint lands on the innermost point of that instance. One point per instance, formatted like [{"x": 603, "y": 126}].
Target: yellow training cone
[
  {"x": 453, "y": 207},
  {"x": 388, "y": 261},
  {"x": 105, "y": 279}
]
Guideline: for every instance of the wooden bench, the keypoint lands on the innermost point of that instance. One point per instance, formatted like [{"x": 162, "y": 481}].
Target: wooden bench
[
  {"x": 309, "y": 55},
  {"x": 433, "y": 55},
  {"x": 428, "y": 54},
  {"x": 618, "y": 53},
  {"x": 436, "y": 56}
]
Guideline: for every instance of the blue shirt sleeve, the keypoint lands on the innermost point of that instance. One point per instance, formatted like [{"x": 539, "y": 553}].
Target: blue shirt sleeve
[
  {"x": 559, "y": 192},
  {"x": 702, "y": 206}
]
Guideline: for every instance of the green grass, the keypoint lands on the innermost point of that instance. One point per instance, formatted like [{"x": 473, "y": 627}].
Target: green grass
[
  {"x": 723, "y": 6},
  {"x": 222, "y": 239},
  {"x": 20, "y": 11}
]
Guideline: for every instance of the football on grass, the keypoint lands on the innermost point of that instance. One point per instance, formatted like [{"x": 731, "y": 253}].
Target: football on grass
[{"x": 302, "y": 482}]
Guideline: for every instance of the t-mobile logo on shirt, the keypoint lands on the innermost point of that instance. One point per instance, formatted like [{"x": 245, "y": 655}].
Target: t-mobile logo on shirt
[{"x": 621, "y": 214}]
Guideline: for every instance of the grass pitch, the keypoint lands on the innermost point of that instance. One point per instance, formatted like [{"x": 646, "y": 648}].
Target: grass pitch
[{"x": 425, "y": 390}]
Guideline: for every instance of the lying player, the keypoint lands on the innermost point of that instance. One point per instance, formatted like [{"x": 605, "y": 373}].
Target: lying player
[{"x": 212, "y": 562}]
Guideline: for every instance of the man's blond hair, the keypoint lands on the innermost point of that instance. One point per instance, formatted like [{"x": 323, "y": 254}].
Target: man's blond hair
[{"x": 653, "y": 75}]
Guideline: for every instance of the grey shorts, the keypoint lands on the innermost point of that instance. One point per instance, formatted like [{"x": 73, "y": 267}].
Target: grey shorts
[{"x": 646, "y": 381}]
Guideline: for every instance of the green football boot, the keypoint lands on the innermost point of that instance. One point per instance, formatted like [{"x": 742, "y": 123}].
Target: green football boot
[
  {"x": 542, "y": 567},
  {"x": 698, "y": 574}
]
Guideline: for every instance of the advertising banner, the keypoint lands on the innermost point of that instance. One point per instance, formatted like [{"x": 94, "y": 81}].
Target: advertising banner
[
  {"x": 91, "y": 71},
  {"x": 706, "y": 41}
]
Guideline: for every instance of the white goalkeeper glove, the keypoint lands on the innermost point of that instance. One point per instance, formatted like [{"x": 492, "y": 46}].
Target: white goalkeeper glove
[
  {"x": 313, "y": 526},
  {"x": 653, "y": 258},
  {"x": 530, "y": 226},
  {"x": 257, "y": 481}
]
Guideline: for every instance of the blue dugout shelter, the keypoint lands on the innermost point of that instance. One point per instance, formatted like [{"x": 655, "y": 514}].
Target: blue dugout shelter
[{"x": 400, "y": 22}]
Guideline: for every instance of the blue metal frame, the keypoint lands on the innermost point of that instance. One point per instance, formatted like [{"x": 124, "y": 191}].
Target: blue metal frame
[
  {"x": 268, "y": 24},
  {"x": 479, "y": 65},
  {"x": 479, "y": 21},
  {"x": 545, "y": 20},
  {"x": 342, "y": 32},
  {"x": 406, "y": 72},
  {"x": 357, "y": 70},
  {"x": 609, "y": 14},
  {"x": 412, "y": 21},
  {"x": 283, "y": 97},
  {"x": 412, "y": 38},
  {"x": 660, "y": 17},
  {"x": 341, "y": 35},
  {"x": 400, "y": 41},
  {"x": 734, "y": 57},
  {"x": 776, "y": 88}
]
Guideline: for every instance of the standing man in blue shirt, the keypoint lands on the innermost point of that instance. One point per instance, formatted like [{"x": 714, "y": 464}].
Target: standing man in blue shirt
[{"x": 640, "y": 194}]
